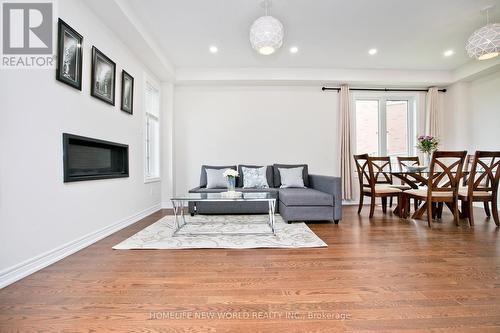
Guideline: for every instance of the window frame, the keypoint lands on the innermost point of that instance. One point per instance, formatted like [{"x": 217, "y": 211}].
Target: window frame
[
  {"x": 149, "y": 178},
  {"x": 382, "y": 98}
]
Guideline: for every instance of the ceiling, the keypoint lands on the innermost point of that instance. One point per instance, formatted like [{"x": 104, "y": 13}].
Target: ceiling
[{"x": 329, "y": 33}]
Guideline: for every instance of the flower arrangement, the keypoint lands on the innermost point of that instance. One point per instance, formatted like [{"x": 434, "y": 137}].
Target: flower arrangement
[
  {"x": 230, "y": 173},
  {"x": 427, "y": 143}
]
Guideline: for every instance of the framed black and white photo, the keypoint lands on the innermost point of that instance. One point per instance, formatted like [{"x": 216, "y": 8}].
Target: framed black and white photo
[
  {"x": 69, "y": 55},
  {"x": 103, "y": 77},
  {"x": 127, "y": 100}
]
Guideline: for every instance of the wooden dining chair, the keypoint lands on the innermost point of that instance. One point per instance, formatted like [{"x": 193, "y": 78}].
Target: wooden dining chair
[
  {"x": 375, "y": 181},
  {"x": 482, "y": 185},
  {"x": 404, "y": 161},
  {"x": 442, "y": 184},
  {"x": 469, "y": 159}
]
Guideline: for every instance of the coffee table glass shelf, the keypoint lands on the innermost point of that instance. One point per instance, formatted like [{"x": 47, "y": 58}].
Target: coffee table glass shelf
[{"x": 180, "y": 203}]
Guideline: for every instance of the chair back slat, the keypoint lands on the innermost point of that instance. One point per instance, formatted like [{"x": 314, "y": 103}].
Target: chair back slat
[
  {"x": 469, "y": 160},
  {"x": 380, "y": 169},
  {"x": 485, "y": 172},
  {"x": 362, "y": 168},
  {"x": 467, "y": 168},
  {"x": 445, "y": 171}
]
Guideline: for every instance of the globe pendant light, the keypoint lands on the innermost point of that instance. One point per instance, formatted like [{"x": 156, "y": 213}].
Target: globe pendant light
[
  {"x": 266, "y": 33},
  {"x": 484, "y": 43}
]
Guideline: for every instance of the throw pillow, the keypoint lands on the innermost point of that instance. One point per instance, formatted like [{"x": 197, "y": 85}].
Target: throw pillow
[
  {"x": 203, "y": 174},
  {"x": 254, "y": 177},
  {"x": 291, "y": 177},
  {"x": 215, "y": 178},
  {"x": 269, "y": 174},
  {"x": 305, "y": 173}
]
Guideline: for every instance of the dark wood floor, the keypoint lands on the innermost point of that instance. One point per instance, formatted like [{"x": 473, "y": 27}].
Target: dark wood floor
[{"x": 378, "y": 275}]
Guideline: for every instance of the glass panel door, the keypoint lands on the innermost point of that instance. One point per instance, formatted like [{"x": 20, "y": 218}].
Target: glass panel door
[
  {"x": 397, "y": 128},
  {"x": 385, "y": 125},
  {"x": 367, "y": 127}
]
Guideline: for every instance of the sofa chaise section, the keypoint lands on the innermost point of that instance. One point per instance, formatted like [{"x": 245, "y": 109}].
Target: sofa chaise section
[{"x": 321, "y": 201}]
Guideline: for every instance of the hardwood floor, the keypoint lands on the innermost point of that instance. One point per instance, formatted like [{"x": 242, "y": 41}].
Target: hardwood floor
[{"x": 377, "y": 275}]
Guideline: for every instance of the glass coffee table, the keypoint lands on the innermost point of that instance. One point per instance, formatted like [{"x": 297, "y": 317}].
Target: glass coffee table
[{"x": 179, "y": 204}]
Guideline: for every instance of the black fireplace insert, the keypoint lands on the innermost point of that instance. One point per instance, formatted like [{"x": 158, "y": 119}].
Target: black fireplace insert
[{"x": 90, "y": 159}]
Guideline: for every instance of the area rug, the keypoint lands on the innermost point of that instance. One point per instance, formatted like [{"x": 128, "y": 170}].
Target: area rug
[{"x": 218, "y": 227}]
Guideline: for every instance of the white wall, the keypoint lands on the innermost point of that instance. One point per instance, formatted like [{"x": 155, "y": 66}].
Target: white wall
[
  {"x": 484, "y": 125},
  {"x": 473, "y": 114},
  {"x": 457, "y": 134},
  {"x": 485, "y": 111},
  {"x": 253, "y": 124},
  {"x": 38, "y": 212},
  {"x": 167, "y": 144}
]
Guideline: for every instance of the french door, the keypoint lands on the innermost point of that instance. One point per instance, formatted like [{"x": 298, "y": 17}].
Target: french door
[{"x": 385, "y": 125}]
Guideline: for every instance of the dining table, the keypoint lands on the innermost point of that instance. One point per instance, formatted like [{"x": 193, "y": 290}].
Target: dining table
[{"x": 416, "y": 179}]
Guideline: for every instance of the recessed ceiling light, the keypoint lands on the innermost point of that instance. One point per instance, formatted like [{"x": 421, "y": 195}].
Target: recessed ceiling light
[
  {"x": 213, "y": 49},
  {"x": 448, "y": 53},
  {"x": 372, "y": 51},
  {"x": 294, "y": 49}
]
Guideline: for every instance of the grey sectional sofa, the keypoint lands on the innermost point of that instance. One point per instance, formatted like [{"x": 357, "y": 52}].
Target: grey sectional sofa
[{"x": 320, "y": 200}]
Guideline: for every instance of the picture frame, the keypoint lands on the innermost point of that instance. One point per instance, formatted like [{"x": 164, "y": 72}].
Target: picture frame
[
  {"x": 69, "y": 55},
  {"x": 103, "y": 77},
  {"x": 127, "y": 95}
]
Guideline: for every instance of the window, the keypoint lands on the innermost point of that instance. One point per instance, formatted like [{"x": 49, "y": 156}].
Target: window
[
  {"x": 385, "y": 126},
  {"x": 396, "y": 113},
  {"x": 367, "y": 115},
  {"x": 152, "y": 133}
]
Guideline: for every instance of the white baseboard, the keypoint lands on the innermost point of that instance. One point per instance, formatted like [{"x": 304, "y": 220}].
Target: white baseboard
[{"x": 19, "y": 271}]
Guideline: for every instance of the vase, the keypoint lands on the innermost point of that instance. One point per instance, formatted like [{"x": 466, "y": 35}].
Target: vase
[
  {"x": 427, "y": 159},
  {"x": 231, "y": 184}
]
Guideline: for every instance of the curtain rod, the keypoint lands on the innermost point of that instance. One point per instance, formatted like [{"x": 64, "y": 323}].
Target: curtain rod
[{"x": 380, "y": 89}]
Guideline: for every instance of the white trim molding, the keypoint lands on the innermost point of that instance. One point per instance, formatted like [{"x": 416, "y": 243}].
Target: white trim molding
[
  {"x": 30, "y": 266},
  {"x": 311, "y": 76},
  {"x": 129, "y": 28}
]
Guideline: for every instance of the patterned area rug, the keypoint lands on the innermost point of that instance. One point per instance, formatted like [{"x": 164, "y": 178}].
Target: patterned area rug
[{"x": 217, "y": 227}]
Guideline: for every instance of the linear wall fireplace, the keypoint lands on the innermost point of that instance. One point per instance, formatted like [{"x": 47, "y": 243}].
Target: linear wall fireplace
[{"x": 89, "y": 159}]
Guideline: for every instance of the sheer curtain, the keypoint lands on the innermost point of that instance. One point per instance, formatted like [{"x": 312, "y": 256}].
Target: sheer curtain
[
  {"x": 345, "y": 142},
  {"x": 432, "y": 116}
]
